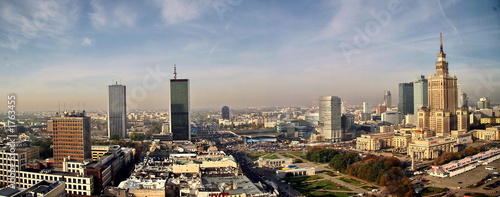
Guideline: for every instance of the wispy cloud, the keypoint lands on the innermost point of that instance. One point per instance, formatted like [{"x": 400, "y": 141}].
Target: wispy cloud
[
  {"x": 87, "y": 42},
  {"x": 178, "y": 11},
  {"x": 22, "y": 21},
  {"x": 104, "y": 17}
]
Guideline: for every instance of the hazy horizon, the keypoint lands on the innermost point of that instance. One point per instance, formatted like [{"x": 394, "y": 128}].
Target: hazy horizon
[{"x": 240, "y": 53}]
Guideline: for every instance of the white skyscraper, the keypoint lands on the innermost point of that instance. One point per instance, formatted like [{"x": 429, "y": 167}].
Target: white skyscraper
[
  {"x": 367, "y": 107},
  {"x": 330, "y": 118}
]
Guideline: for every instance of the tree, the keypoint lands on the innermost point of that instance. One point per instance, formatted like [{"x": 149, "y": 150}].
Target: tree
[
  {"x": 342, "y": 160},
  {"x": 114, "y": 137},
  {"x": 45, "y": 150}
]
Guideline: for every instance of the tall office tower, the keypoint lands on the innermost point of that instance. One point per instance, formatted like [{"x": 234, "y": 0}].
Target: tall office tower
[
  {"x": 462, "y": 119},
  {"x": 179, "y": 109},
  {"x": 405, "y": 98},
  {"x": 420, "y": 95},
  {"x": 459, "y": 96},
  {"x": 442, "y": 97},
  {"x": 464, "y": 100},
  {"x": 483, "y": 103},
  {"x": 330, "y": 118},
  {"x": 381, "y": 109},
  {"x": 71, "y": 138},
  {"x": 367, "y": 107},
  {"x": 225, "y": 113},
  {"x": 347, "y": 123},
  {"x": 387, "y": 99},
  {"x": 117, "y": 111}
]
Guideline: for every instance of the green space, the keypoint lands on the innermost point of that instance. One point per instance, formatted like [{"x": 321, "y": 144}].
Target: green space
[
  {"x": 327, "y": 194},
  {"x": 351, "y": 181},
  {"x": 309, "y": 188},
  {"x": 369, "y": 187},
  {"x": 330, "y": 173},
  {"x": 303, "y": 179},
  {"x": 298, "y": 154},
  {"x": 287, "y": 155},
  {"x": 255, "y": 156},
  {"x": 433, "y": 190},
  {"x": 273, "y": 156}
]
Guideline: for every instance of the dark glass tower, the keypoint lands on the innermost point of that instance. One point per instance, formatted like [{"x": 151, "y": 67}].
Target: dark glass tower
[
  {"x": 179, "y": 109},
  {"x": 405, "y": 98},
  {"x": 225, "y": 113},
  {"x": 117, "y": 111}
]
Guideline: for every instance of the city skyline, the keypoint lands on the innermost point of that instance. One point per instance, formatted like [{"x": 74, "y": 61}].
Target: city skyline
[{"x": 240, "y": 53}]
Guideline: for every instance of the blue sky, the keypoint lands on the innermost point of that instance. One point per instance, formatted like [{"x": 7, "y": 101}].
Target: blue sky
[{"x": 241, "y": 53}]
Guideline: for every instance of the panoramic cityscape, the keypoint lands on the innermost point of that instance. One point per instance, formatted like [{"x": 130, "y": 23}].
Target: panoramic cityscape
[{"x": 250, "y": 98}]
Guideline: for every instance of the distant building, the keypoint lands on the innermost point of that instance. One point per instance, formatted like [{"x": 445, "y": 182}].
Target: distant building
[
  {"x": 225, "y": 113},
  {"x": 387, "y": 99},
  {"x": 483, "y": 103},
  {"x": 117, "y": 111},
  {"x": 405, "y": 98},
  {"x": 348, "y": 123},
  {"x": 420, "y": 95},
  {"x": 392, "y": 117},
  {"x": 330, "y": 118},
  {"x": 71, "y": 138},
  {"x": 381, "y": 109},
  {"x": 179, "y": 109},
  {"x": 367, "y": 107}
]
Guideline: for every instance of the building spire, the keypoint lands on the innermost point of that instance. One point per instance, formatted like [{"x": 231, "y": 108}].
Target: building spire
[
  {"x": 175, "y": 72},
  {"x": 441, "y": 40}
]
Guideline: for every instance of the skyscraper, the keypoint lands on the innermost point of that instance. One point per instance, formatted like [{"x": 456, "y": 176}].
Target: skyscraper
[
  {"x": 330, "y": 122},
  {"x": 442, "y": 87},
  {"x": 387, "y": 99},
  {"x": 367, "y": 107},
  {"x": 483, "y": 103},
  {"x": 420, "y": 94},
  {"x": 405, "y": 98},
  {"x": 225, "y": 113},
  {"x": 179, "y": 109},
  {"x": 71, "y": 138},
  {"x": 117, "y": 111}
]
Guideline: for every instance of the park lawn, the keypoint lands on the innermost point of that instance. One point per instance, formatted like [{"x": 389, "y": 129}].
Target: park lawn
[
  {"x": 303, "y": 179},
  {"x": 330, "y": 173},
  {"x": 327, "y": 194},
  {"x": 351, "y": 181},
  {"x": 288, "y": 155},
  {"x": 273, "y": 156},
  {"x": 298, "y": 154},
  {"x": 327, "y": 185},
  {"x": 255, "y": 156},
  {"x": 433, "y": 190},
  {"x": 369, "y": 187}
]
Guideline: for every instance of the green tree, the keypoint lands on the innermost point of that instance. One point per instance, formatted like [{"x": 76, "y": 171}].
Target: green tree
[
  {"x": 114, "y": 137},
  {"x": 45, "y": 149},
  {"x": 342, "y": 160}
]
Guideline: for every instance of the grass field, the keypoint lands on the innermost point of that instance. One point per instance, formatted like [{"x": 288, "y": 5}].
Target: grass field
[
  {"x": 369, "y": 187},
  {"x": 432, "y": 190},
  {"x": 330, "y": 173},
  {"x": 273, "y": 156},
  {"x": 298, "y": 154},
  {"x": 288, "y": 155},
  {"x": 351, "y": 181},
  {"x": 304, "y": 179},
  {"x": 255, "y": 156},
  {"x": 327, "y": 194},
  {"x": 308, "y": 187}
]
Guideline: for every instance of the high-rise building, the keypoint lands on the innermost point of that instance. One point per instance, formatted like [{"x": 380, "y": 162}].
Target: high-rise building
[
  {"x": 179, "y": 109},
  {"x": 381, "y": 109},
  {"x": 71, "y": 138},
  {"x": 117, "y": 111},
  {"x": 442, "y": 92},
  {"x": 392, "y": 117},
  {"x": 225, "y": 113},
  {"x": 405, "y": 98},
  {"x": 387, "y": 99},
  {"x": 330, "y": 122},
  {"x": 367, "y": 107},
  {"x": 347, "y": 122},
  {"x": 483, "y": 103},
  {"x": 420, "y": 95}
]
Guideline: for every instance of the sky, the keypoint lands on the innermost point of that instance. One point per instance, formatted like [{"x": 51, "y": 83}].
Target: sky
[{"x": 240, "y": 53}]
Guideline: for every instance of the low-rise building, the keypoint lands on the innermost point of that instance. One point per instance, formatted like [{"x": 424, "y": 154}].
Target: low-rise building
[
  {"x": 295, "y": 172},
  {"x": 430, "y": 148},
  {"x": 273, "y": 163},
  {"x": 492, "y": 133}
]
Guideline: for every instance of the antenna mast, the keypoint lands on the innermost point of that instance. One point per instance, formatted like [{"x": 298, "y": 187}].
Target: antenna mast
[{"x": 175, "y": 71}]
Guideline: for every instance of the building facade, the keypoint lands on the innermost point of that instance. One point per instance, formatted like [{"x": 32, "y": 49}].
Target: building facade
[
  {"x": 179, "y": 110},
  {"x": 405, "y": 98},
  {"x": 225, "y": 113},
  {"x": 71, "y": 138},
  {"x": 117, "y": 111},
  {"x": 420, "y": 95},
  {"x": 387, "y": 99},
  {"x": 330, "y": 118}
]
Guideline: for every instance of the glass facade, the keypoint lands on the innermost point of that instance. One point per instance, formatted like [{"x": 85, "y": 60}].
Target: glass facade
[
  {"x": 405, "y": 98},
  {"x": 179, "y": 109},
  {"x": 117, "y": 112}
]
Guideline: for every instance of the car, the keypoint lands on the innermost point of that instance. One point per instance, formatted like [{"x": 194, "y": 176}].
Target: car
[{"x": 374, "y": 190}]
